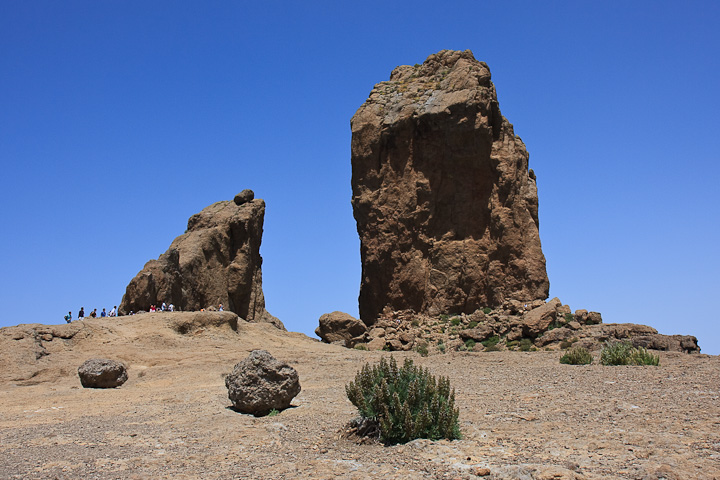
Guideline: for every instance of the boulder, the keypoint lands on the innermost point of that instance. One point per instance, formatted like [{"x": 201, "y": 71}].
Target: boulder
[
  {"x": 340, "y": 327},
  {"x": 102, "y": 373},
  {"x": 478, "y": 334},
  {"x": 445, "y": 204},
  {"x": 217, "y": 260},
  {"x": 261, "y": 383},
  {"x": 538, "y": 320},
  {"x": 672, "y": 343}
]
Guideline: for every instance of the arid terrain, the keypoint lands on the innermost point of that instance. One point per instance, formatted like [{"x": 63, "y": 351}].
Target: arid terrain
[{"x": 523, "y": 415}]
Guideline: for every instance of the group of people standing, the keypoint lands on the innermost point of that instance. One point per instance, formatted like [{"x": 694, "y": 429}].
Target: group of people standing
[{"x": 81, "y": 314}]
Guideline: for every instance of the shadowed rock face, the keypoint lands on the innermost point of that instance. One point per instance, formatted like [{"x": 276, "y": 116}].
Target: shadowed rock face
[
  {"x": 446, "y": 207},
  {"x": 217, "y": 260}
]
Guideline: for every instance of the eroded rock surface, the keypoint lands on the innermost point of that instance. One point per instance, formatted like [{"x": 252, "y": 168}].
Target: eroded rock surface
[
  {"x": 446, "y": 207},
  {"x": 216, "y": 261}
]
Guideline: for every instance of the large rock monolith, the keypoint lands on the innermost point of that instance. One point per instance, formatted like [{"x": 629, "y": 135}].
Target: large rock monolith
[
  {"x": 216, "y": 261},
  {"x": 445, "y": 204}
]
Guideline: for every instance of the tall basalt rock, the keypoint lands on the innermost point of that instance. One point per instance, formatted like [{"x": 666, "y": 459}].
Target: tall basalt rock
[
  {"x": 217, "y": 260},
  {"x": 446, "y": 207}
]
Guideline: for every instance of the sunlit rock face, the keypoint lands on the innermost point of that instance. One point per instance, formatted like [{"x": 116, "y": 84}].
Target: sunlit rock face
[{"x": 445, "y": 204}]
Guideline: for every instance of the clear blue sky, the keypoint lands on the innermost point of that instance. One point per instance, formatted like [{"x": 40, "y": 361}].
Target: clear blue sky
[{"x": 119, "y": 120}]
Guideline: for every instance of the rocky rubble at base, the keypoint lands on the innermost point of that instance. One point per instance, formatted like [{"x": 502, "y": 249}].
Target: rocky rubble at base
[{"x": 512, "y": 326}]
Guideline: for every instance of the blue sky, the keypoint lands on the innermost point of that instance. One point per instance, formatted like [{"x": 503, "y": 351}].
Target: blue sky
[{"x": 120, "y": 120}]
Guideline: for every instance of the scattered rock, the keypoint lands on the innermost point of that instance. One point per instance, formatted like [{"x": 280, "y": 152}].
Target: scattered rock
[
  {"x": 216, "y": 261},
  {"x": 102, "y": 373},
  {"x": 446, "y": 207},
  {"x": 340, "y": 327},
  {"x": 261, "y": 383}
]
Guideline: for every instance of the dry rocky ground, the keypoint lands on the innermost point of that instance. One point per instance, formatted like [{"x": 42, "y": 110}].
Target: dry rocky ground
[{"x": 523, "y": 415}]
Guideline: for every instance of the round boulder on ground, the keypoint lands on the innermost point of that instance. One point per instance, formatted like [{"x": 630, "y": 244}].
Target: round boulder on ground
[
  {"x": 261, "y": 383},
  {"x": 102, "y": 373}
]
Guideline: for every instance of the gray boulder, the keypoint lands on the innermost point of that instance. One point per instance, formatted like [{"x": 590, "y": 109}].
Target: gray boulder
[
  {"x": 261, "y": 383},
  {"x": 102, "y": 373}
]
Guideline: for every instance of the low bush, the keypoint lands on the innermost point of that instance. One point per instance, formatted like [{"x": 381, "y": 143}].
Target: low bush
[
  {"x": 577, "y": 356},
  {"x": 472, "y": 324},
  {"x": 640, "y": 356},
  {"x": 406, "y": 403},
  {"x": 469, "y": 343},
  {"x": 490, "y": 341},
  {"x": 360, "y": 346},
  {"x": 487, "y": 310},
  {"x": 623, "y": 353},
  {"x": 525, "y": 345},
  {"x": 422, "y": 349},
  {"x": 455, "y": 321}
]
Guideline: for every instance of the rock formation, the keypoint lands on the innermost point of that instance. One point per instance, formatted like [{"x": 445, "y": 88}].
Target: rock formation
[
  {"x": 216, "y": 261},
  {"x": 102, "y": 373},
  {"x": 261, "y": 383},
  {"x": 446, "y": 207},
  {"x": 341, "y": 328}
]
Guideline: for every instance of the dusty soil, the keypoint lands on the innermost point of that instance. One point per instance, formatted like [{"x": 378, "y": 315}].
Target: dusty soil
[{"x": 523, "y": 415}]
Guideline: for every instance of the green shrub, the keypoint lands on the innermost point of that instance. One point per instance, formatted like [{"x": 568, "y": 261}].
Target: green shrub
[
  {"x": 511, "y": 343},
  {"x": 444, "y": 318},
  {"x": 472, "y": 324},
  {"x": 490, "y": 341},
  {"x": 525, "y": 345},
  {"x": 407, "y": 403},
  {"x": 487, "y": 310},
  {"x": 577, "y": 356},
  {"x": 569, "y": 317},
  {"x": 422, "y": 349},
  {"x": 415, "y": 323},
  {"x": 455, "y": 321},
  {"x": 360, "y": 346},
  {"x": 565, "y": 344},
  {"x": 492, "y": 348},
  {"x": 615, "y": 353},
  {"x": 469, "y": 343},
  {"x": 441, "y": 347},
  {"x": 274, "y": 412},
  {"x": 640, "y": 356},
  {"x": 623, "y": 353}
]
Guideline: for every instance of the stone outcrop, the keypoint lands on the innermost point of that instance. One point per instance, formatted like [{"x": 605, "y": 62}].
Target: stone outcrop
[
  {"x": 513, "y": 326},
  {"x": 261, "y": 383},
  {"x": 446, "y": 207},
  {"x": 341, "y": 328},
  {"x": 102, "y": 373},
  {"x": 216, "y": 261}
]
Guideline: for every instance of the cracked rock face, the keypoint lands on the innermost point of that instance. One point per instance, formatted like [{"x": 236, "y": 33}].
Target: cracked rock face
[
  {"x": 445, "y": 204},
  {"x": 216, "y": 261}
]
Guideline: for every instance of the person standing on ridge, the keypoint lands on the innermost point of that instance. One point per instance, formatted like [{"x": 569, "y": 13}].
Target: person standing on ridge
[
  {"x": 68, "y": 317},
  {"x": 81, "y": 313}
]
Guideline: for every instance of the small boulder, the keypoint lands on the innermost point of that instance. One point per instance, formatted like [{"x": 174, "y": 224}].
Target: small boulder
[
  {"x": 245, "y": 196},
  {"x": 261, "y": 383},
  {"x": 477, "y": 334},
  {"x": 102, "y": 373},
  {"x": 340, "y": 327}
]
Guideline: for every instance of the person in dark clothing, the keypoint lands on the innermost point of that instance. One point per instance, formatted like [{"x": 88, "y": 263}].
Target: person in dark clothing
[{"x": 81, "y": 313}]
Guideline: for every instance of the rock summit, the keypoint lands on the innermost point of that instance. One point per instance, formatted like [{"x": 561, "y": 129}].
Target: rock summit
[
  {"x": 445, "y": 204},
  {"x": 216, "y": 261}
]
